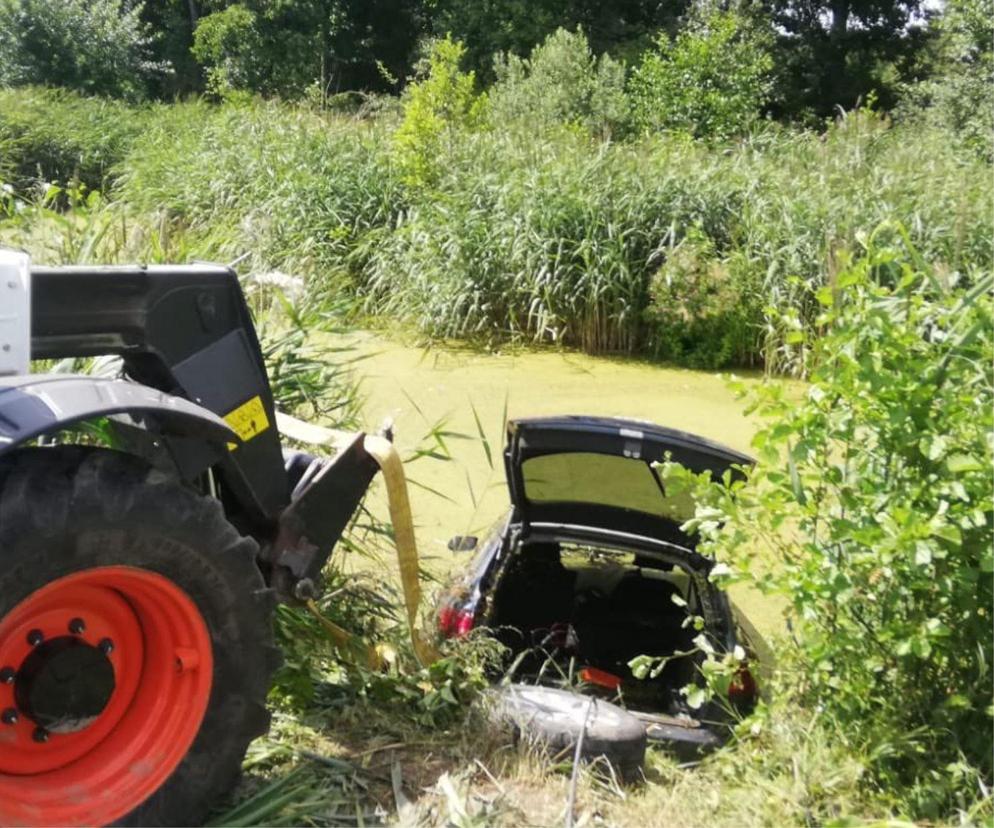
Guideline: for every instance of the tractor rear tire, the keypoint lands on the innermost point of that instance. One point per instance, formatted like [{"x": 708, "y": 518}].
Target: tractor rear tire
[{"x": 142, "y": 599}]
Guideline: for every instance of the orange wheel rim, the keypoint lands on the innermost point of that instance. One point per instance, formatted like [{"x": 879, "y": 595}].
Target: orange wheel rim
[{"x": 105, "y": 676}]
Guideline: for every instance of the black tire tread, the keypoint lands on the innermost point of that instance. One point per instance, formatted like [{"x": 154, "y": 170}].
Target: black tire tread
[{"x": 72, "y": 507}]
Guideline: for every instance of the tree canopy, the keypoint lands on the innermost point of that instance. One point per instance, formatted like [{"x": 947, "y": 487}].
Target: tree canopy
[{"x": 825, "y": 54}]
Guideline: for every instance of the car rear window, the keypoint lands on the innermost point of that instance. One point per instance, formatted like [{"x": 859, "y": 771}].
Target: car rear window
[{"x": 604, "y": 480}]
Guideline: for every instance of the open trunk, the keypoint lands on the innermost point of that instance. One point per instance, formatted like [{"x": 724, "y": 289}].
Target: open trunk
[
  {"x": 591, "y": 570},
  {"x": 571, "y": 610}
]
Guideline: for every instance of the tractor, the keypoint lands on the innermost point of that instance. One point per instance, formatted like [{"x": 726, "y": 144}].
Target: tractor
[{"x": 138, "y": 581}]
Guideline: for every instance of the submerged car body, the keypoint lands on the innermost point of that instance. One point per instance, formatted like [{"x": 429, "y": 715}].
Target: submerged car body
[{"x": 590, "y": 570}]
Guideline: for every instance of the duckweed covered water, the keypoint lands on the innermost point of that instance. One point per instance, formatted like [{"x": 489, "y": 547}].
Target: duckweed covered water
[{"x": 418, "y": 388}]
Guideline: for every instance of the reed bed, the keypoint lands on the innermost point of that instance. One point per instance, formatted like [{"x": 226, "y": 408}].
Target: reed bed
[{"x": 708, "y": 255}]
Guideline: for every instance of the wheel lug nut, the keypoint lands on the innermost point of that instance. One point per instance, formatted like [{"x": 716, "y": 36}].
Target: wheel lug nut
[
  {"x": 9, "y": 716},
  {"x": 40, "y": 734},
  {"x": 35, "y": 637},
  {"x": 106, "y": 646},
  {"x": 76, "y": 626},
  {"x": 7, "y": 675}
]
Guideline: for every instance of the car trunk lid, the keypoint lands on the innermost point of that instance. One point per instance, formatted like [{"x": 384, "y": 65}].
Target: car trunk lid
[{"x": 598, "y": 471}]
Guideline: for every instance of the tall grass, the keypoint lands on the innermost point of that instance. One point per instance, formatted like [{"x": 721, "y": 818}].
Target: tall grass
[
  {"x": 707, "y": 255},
  {"x": 298, "y": 191},
  {"x": 554, "y": 238},
  {"x": 56, "y": 135}
]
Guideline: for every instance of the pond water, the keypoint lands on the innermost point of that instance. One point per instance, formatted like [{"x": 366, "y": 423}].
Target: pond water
[{"x": 420, "y": 387}]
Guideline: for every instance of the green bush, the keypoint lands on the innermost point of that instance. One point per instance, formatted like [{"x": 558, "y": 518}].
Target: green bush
[
  {"x": 960, "y": 93},
  {"x": 100, "y": 47},
  {"x": 227, "y": 43},
  {"x": 703, "y": 311},
  {"x": 436, "y": 108},
  {"x": 561, "y": 82},
  {"x": 711, "y": 81},
  {"x": 871, "y": 511}
]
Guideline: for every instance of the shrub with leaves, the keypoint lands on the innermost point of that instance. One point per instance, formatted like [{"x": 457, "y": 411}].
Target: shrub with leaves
[
  {"x": 703, "y": 311},
  {"x": 95, "y": 46},
  {"x": 873, "y": 496},
  {"x": 441, "y": 103},
  {"x": 711, "y": 81},
  {"x": 562, "y": 82},
  {"x": 960, "y": 94},
  {"x": 227, "y": 43}
]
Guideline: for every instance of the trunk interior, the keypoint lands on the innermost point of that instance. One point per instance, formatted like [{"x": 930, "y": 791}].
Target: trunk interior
[{"x": 562, "y": 607}]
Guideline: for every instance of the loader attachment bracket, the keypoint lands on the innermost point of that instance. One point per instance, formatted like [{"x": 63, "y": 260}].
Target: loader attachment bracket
[{"x": 314, "y": 521}]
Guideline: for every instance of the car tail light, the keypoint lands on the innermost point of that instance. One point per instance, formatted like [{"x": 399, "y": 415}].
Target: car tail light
[
  {"x": 742, "y": 691},
  {"x": 602, "y": 678},
  {"x": 456, "y": 621}
]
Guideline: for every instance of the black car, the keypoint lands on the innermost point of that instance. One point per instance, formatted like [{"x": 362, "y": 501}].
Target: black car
[{"x": 590, "y": 570}]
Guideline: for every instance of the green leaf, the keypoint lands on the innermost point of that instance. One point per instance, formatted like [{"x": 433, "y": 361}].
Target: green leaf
[
  {"x": 696, "y": 696},
  {"x": 948, "y": 532},
  {"x": 795, "y": 481},
  {"x": 936, "y": 628},
  {"x": 640, "y": 666},
  {"x": 933, "y": 446},
  {"x": 960, "y": 463},
  {"x": 483, "y": 436}
]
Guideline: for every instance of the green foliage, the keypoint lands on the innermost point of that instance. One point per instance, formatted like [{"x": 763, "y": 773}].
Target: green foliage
[
  {"x": 553, "y": 238},
  {"x": 291, "y": 47},
  {"x": 828, "y": 54},
  {"x": 54, "y": 135},
  {"x": 873, "y": 497},
  {"x": 711, "y": 81},
  {"x": 310, "y": 378},
  {"x": 833, "y": 55},
  {"x": 622, "y": 29},
  {"x": 302, "y": 192},
  {"x": 664, "y": 245},
  {"x": 703, "y": 310},
  {"x": 434, "y": 695},
  {"x": 436, "y": 107},
  {"x": 228, "y": 44},
  {"x": 960, "y": 93},
  {"x": 562, "y": 82},
  {"x": 99, "y": 47}
]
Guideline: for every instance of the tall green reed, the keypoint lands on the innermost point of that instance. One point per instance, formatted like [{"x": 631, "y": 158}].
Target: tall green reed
[{"x": 709, "y": 255}]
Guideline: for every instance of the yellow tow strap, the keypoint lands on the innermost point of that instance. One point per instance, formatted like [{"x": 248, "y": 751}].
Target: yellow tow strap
[
  {"x": 386, "y": 455},
  {"x": 388, "y": 459}
]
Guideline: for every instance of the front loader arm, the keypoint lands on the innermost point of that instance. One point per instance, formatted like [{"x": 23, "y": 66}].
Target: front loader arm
[
  {"x": 322, "y": 507},
  {"x": 195, "y": 379},
  {"x": 184, "y": 330}
]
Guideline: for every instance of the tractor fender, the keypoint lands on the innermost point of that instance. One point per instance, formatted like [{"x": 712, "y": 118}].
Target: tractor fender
[{"x": 33, "y": 405}]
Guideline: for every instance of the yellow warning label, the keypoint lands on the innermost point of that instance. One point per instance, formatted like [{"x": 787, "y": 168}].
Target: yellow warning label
[{"x": 248, "y": 420}]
